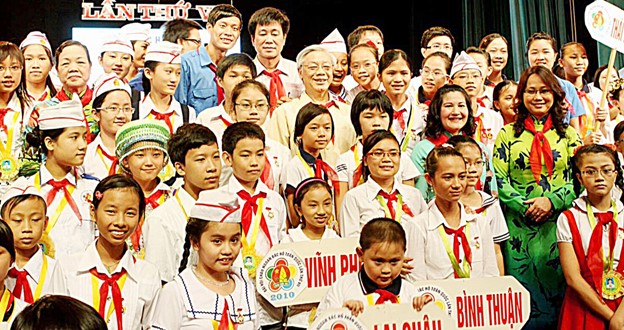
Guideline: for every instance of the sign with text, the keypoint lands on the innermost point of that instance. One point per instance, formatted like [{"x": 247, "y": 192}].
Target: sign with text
[
  {"x": 386, "y": 317},
  {"x": 480, "y": 303},
  {"x": 302, "y": 272},
  {"x": 605, "y": 23},
  {"x": 147, "y": 12}
]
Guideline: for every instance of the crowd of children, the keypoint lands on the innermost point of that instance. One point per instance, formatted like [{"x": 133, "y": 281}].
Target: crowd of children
[{"x": 154, "y": 194}]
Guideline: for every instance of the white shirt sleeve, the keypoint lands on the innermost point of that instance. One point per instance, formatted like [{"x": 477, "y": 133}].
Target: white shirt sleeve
[
  {"x": 333, "y": 299},
  {"x": 149, "y": 307},
  {"x": 407, "y": 168},
  {"x": 416, "y": 235},
  {"x": 498, "y": 224},
  {"x": 169, "y": 310},
  {"x": 342, "y": 169},
  {"x": 58, "y": 281},
  {"x": 490, "y": 266},
  {"x": 159, "y": 248},
  {"x": 349, "y": 216},
  {"x": 564, "y": 234}
]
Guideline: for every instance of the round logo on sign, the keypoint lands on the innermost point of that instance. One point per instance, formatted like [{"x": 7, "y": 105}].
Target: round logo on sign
[
  {"x": 339, "y": 320},
  {"x": 281, "y": 277},
  {"x": 438, "y": 296}
]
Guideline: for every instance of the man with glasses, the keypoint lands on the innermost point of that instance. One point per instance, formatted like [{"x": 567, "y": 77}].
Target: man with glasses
[
  {"x": 183, "y": 32},
  {"x": 434, "y": 39}
]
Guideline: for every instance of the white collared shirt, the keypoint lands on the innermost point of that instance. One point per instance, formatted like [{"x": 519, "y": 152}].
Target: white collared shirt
[
  {"x": 186, "y": 303},
  {"x": 34, "y": 269},
  {"x": 293, "y": 86},
  {"x": 217, "y": 119},
  {"x": 147, "y": 105},
  {"x": 347, "y": 165},
  {"x": 579, "y": 211},
  {"x": 69, "y": 234},
  {"x": 165, "y": 231},
  {"x": 353, "y": 92},
  {"x": 494, "y": 216},
  {"x": 139, "y": 292},
  {"x": 360, "y": 205},
  {"x": 431, "y": 261},
  {"x": 415, "y": 121},
  {"x": 96, "y": 163},
  {"x": 282, "y": 126},
  {"x": 18, "y": 307},
  {"x": 297, "y": 235},
  {"x": 492, "y": 123}
]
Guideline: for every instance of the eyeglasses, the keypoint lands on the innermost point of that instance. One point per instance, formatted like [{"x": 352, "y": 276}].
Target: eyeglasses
[
  {"x": 367, "y": 65},
  {"x": 605, "y": 172},
  {"x": 195, "y": 41},
  {"x": 436, "y": 73},
  {"x": 248, "y": 106},
  {"x": 13, "y": 68},
  {"x": 115, "y": 110},
  {"x": 438, "y": 47},
  {"x": 378, "y": 154},
  {"x": 465, "y": 76},
  {"x": 534, "y": 92},
  {"x": 315, "y": 67}
]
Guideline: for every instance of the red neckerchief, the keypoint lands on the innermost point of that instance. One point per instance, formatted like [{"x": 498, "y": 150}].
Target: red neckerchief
[
  {"x": 540, "y": 148},
  {"x": 267, "y": 174},
  {"x": 386, "y": 296},
  {"x": 3, "y": 113},
  {"x": 58, "y": 186},
  {"x": 85, "y": 98},
  {"x": 595, "y": 261},
  {"x": 115, "y": 161},
  {"x": 225, "y": 323},
  {"x": 220, "y": 94},
  {"x": 441, "y": 139},
  {"x": 110, "y": 281},
  {"x": 321, "y": 167},
  {"x": 276, "y": 88},
  {"x": 398, "y": 116},
  {"x": 166, "y": 117},
  {"x": 21, "y": 284},
  {"x": 458, "y": 234},
  {"x": 389, "y": 199},
  {"x": 249, "y": 209}
]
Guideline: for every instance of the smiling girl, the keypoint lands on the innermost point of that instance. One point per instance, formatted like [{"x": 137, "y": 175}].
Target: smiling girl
[{"x": 39, "y": 62}]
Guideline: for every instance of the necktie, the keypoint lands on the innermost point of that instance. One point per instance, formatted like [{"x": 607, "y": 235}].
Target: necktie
[
  {"x": 21, "y": 285},
  {"x": 398, "y": 116},
  {"x": 164, "y": 116},
  {"x": 56, "y": 187},
  {"x": 220, "y": 95},
  {"x": 249, "y": 209},
  {"x": 540, "y": 148},
  {"x": 384, "y": 296},
  {"x": 110, "y": 281},
  {"x": 390, "y": 198},
  {"x": 458, "y": 234},
  {"x": 276, "y": 88}
]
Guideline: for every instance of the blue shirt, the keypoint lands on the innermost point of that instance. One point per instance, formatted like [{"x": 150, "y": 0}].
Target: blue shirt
[
  {"x": 197, "y": 87},
  {"x": 577, "y": 108},
  {"x": 137, "y": 82}
]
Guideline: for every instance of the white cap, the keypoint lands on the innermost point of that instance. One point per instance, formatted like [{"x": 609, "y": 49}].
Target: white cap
[
  {"x": 463, "y": 62},
  {"x": 62, "y": 115},
  {"x": 18, "y": 190},
  {"x": 164, "y": 52},
  {"x": 136, "y": 31},
  {"x": 36, "y": 38},
  {"x": 334, "y": 43},
  {"x": 109, "y": 82},
  {"x": 217, "y": 205},
  {"x": 117, "y": 43}
]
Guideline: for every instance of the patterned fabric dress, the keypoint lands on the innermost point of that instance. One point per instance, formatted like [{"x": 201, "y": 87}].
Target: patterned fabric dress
[{"x": 531, "y": 254}]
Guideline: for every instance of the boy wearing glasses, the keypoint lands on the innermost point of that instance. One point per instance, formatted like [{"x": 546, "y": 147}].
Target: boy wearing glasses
[
  {"x": 268, "y": 28},
  {"x": 111, "y": 109},
  {"x": 183, "y": 32},
  {"x": 466, "y": 73},
  {"x": 434, "y": 39}
]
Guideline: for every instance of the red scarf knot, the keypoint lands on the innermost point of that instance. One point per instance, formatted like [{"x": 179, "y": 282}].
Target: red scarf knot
[
  {"x": 459, "y": 235},
  {"x": 540, "y": 148},
  {"x": 21, "y": 284},
  {"x": 110, "y": 281},
  {"x": 385, "y": 295},
  {"x": 276, "y": 88},
  {"x": 249, "y": 209}
]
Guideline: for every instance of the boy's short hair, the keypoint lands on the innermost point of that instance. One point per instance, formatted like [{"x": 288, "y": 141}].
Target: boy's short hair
[
  {"x": 189, "y": 136},
  {"x": 266, "y": 16},
  {"x": 436, "y": 31},
  {"x": 618, "y": 130},
  {"x": 239, "y": 131},
  {"x": 475, "y": 50},
  {"x": 179, "y": 28},
  {"x": 354, "y": 37},
  {"x": 236, "y": 59},
  {"x": 382, "y": 230},
  {"x": 223, "y": 11},
  {"x": 372, "y": 99}
]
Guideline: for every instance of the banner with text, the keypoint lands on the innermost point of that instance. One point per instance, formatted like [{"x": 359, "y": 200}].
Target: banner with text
[
  {"x": 605, "y": 23},
  {"x": 147, "y": 12}
]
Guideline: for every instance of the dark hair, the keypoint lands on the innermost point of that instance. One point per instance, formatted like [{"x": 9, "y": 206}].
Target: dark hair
[
  {"x": 382, "y": 230},
  {"x": 487, "y": 40},
  {"x": 49, "y": 83},
  {"x": 371, "y": 99},
  {"x": 118, "y": 181},
  {"x": 500, "y": 87},
  {"x": 306, "y": 115},
  {"x": 394, "y": 55},
  {"x": 431, "y": 162},
  {"x": 238, "y": 131},
  {"x": 187, "y": 137},
  {"x": 6, "y": 239},
  {"x": 557, "y": 110},
  {"x": 223, "y": 11},
  {"x": 14, "y": 201},
  {"x": 302, "y": 189},
  {"x": 460, "y": 141},
  {"x": 595, "y": 149},
  {"x": 435, "y": 31},
  {"x": 570, "y": 45},
  {"x": 235, "y": 59},
  {"x": 618, "y": 130},
  {"x": 445, "y": 58},
  {"x": 597, "y": 77},
  {"x": 370, "y": 142},
  {"x": 66, "y": 44},
  {"x": 267, "y": 15},
  {"x": 179, "y": 28},
  {"x": 251, "y": 83},
  {"x": 98, "y": 101},
  {"x": 59, "y": 312},
  {"x": 354, "y": 37},
  {"x": 147, "y": 84},
  {"x": 434, "y": 124},
  {"x": 194, "y": 229},
  {"x": 10, "y": 49},
  {"x": 541, "y": 36},
  {"x": 368, "y": 47},
  {"x": 35, "y": 139},
  {"x": 475, "y": 50}
]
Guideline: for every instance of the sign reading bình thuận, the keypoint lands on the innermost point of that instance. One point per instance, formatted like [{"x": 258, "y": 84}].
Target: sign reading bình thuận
[{"x": 111, "y": 11}]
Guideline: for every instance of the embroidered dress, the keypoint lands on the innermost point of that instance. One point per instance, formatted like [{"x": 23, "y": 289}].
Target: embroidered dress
[{"x": 531, "y": 254}]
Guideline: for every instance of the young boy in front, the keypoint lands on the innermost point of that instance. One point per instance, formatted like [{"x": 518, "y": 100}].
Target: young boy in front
[
  {"x": 195, "y": 154},
  {"x": 381, "y": 252},
  {"x": 263, "y": 208}
]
